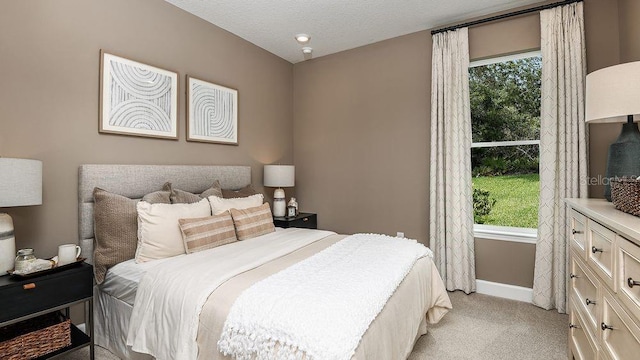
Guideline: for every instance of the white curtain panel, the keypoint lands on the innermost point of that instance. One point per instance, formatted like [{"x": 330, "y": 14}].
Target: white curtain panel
[
  {"x": 563, "y": 148},
  {"x": 451, "y": 203}
]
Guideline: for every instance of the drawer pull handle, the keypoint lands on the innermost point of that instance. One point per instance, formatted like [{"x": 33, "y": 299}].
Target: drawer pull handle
[
  {"x": 573, "y": 276},
  {"x": 595, "y": 249},
  {"x": 305, "y": 219},
  {"x": 29, "y": 286},
  {"x": 574, "y": 231},
  {"x": 571, "y": 326},
  {"x": 604, "y": 327},
  {"x": 589, "y": 302},
  {"x": 632, "y": 282}
]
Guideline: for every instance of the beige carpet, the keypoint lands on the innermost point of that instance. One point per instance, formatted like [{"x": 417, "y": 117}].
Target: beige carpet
[{"x": 479, "y": 327}]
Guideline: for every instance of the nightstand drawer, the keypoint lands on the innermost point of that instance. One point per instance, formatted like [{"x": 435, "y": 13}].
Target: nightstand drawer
[
  {"x": 24, "y": 297},
  {"x": 303, "y": 220},
  {"x": 309, "y": 222}
]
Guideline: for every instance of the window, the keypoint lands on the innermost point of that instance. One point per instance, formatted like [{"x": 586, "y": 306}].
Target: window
[{"x": 505, "y": 122}]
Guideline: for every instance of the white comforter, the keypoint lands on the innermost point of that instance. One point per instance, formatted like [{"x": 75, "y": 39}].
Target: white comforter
[{"x": 170, "y": 297}]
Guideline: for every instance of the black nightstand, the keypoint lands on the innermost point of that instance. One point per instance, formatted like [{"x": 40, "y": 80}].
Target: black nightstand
[
  {"x": 22, "y": 299},
  {"x": 303, "y": 220}
]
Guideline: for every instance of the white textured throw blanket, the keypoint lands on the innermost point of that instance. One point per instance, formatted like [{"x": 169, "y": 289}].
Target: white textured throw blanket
[
  {"x": 170, "y": 297},
  {"x": 320, "y": 307}
]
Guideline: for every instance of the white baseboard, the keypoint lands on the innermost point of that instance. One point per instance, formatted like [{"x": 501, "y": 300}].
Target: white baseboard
[{"x": 504, "y": 290}]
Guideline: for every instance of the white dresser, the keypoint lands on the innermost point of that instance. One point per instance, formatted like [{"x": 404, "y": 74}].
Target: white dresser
[{"x": 604, "y": 284}]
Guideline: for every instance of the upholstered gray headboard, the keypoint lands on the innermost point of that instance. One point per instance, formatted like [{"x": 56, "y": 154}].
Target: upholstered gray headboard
[{"x": 134, "y": 181}]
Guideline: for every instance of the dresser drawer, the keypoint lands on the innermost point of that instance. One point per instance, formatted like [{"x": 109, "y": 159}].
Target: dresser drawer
[
  {"x": 578, "y": 239},
  {"x": 622, "y": 340},
  {"x": 600, "y": 249},
  {"x": 628, "y": 277},
  {"x": 584, "y": 289},
  {"x": 24, "y": 297},
  {"x": 583, "y": 346}
]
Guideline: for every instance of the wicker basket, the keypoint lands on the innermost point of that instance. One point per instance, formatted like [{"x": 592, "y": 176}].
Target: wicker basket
[
  {"x": 35, "y": 337},
  {"x": 625, "y": 195}
]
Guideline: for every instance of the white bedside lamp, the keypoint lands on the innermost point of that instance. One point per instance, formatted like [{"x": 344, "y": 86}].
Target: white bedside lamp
[
  {"x": 20, "y": 185},
  {"x": 279, "y": 176}
]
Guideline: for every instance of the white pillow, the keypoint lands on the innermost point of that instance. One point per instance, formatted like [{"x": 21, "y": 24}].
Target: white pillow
[
  {"x": 159, "y": 233},
  {"x": 220, "y": 205}
]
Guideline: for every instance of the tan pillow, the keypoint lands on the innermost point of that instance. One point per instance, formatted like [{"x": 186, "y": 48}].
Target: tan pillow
[
  {"x": 244, "y": 192},
  {"x": 208, "y": 232},
  {"x": 116, "y": 230},
  {"x": 159, "y": 234},
  {"x": 253, "y": 222},
  {"x": 159, "y": 197},
  {"x": 184, "y": 197},
  {"x": 220, "y": 205}
]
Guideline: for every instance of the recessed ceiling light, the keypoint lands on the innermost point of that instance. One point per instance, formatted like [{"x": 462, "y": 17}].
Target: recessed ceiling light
[
  {"x": 303, "y": 38},
  {"x": 307, "y": 50}
]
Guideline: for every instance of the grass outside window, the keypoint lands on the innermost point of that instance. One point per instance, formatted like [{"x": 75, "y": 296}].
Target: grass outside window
[{"x": 517, "y": 198}]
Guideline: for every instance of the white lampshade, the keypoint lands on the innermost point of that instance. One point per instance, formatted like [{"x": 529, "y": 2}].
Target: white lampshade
[
  {"x": 20, "y": 185},
  {"x": 613, "y": 93},
  {"x": 279, "y": 175},
  {"x": 20, "y": 182}
]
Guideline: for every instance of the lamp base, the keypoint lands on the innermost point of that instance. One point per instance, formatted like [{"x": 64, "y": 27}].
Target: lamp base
[
  {"x": 7, "y": 244},
  {"x": 624, "y": 155},
  {"x": 279, "y": 203}
]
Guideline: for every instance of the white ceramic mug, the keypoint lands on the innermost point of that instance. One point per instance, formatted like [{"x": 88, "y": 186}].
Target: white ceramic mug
[{"x": 68, "y": 253}]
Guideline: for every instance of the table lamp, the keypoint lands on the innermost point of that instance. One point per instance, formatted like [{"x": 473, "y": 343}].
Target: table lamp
[
  {"x": 20, "y": 185},
  {"x": 279, "y": 176},
  {"x": 613, "y": 95}
]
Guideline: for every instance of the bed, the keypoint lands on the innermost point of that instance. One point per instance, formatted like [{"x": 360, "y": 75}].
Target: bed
[{"x": 419, "y": 299}]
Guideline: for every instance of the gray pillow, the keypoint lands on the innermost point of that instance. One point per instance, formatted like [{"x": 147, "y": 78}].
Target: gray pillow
[
  {"x": 184, "y": 197},
  {"x": 244, "y": 192},
  {"x": 116, "y": 228},
  {"x": 159, "y": 197}
]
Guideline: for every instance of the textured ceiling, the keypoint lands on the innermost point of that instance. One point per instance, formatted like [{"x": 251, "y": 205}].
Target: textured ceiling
[{"x": 334, "y": 25}]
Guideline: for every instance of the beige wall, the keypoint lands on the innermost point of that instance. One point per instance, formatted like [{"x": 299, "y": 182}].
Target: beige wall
[
  {"x": 603, "y": 49},
  {"x": 629, "y": 29},
  {"x": 361, "y": 137},
  {"x": 361, "y": 132},
  {"x": 514, "y": 35},
  {"x": 49, "y": 62},
  {"x": 505, "y": 262}
]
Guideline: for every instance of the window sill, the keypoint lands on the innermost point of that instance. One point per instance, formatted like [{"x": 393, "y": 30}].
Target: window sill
[{"x": 505, "y": 233}]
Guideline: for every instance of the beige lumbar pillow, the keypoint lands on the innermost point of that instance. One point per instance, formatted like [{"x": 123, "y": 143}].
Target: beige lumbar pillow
[
  {"x": 159, "y": 233},
  {"x": 208, "y": 232},
  {"x": 220, "y": 205},
  {"x": 253, "y": 222}
]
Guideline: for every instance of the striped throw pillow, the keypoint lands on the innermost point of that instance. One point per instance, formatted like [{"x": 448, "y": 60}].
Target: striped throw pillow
[
  {"x": 253, "y": 221},
  {"x": 207, "y": 232}
]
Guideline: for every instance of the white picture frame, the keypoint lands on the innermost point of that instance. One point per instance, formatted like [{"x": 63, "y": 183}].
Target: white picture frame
[
  {"x": 212, "y": 112},
  {"x": 137, "y": 99}
]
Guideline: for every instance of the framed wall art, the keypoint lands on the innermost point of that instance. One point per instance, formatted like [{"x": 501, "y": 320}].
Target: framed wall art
[
  {"x": 212, "y": 112},
  {"x": 137, "y": 99}
]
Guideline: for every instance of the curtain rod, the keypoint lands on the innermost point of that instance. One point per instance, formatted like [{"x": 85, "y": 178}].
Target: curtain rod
[{"x": 504, "y": 16}]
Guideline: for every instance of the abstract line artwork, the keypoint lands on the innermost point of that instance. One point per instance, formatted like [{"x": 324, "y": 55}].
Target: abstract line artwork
[
  {"x": 137, "y": 99},
  {"x": 212, "y": 112}
]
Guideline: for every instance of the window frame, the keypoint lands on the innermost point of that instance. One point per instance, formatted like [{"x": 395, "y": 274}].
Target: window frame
[{"x": 496, "y": 232}]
